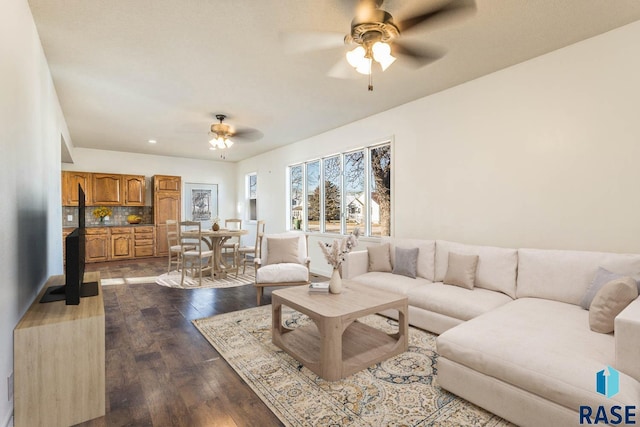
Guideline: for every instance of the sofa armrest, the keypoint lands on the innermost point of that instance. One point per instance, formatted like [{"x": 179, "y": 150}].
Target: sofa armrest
[
  {"x": 627, "y": 339},
  {"x": 257, "y": 263},
  {"x": 355, "y": 264}
]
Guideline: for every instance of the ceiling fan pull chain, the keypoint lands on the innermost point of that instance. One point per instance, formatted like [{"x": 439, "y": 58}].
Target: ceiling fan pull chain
[{"x": 370, "y": 76}]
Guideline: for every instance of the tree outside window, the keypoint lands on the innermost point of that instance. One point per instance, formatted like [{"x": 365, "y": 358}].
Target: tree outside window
[
  {"x": 380, "y": 201},
  {"x": 332, "y": 194},
  {"x": 313, "y": 196}
]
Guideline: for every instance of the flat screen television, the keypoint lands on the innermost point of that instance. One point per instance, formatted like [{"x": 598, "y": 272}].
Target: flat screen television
[{"x": 73, "y": 288}]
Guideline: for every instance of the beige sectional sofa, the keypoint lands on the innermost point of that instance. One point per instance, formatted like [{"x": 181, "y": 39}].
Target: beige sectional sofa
[{"x": 518, "y": 343}]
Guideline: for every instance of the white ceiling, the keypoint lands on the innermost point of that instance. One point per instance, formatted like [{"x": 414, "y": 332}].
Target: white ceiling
[{"x": 129, "y": 71}]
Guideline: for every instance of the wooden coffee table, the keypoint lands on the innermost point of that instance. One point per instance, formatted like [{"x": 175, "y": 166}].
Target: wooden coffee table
[{"x": 336, "y": 345}]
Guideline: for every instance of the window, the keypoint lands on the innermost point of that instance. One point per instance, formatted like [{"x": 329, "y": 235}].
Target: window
[
  {"x": 296, "y": 191},
  {"x": 313, "y": 196},
  {"x": 332, "y": 194},
  {"x": 355, "y": 192},
  {"x": 252, "y": 191}
]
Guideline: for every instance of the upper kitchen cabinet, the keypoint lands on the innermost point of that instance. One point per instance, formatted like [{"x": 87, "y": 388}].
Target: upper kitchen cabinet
[
  {"x": 69, "y": 183},
  {"x": 103, "y": 189},
  {"x": 134, "y": 190},
  {"x": 166, "y": 183},
  {"x": 107, "y": 189}
]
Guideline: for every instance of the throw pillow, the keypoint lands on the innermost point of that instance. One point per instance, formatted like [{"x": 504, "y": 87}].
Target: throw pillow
[
  {"x": 379, "y": 258},
  {"x": 282, "y": 249},
  {"x": 406, "y": 262},
  {"x": 609, "y": 301},
  {"x": 602, "y": 277},
  {"x": 461, "y": 270}
]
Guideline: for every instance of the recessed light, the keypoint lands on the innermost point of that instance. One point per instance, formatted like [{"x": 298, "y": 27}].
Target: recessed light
[{"x": 152, "y": 141}]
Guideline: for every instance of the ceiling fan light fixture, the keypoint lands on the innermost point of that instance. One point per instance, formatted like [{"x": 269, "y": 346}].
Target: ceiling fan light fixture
[
  {"x": 364, "y": 67},
  {"x": 382, "y": 54},
  {"x": 356, "y": 56}
]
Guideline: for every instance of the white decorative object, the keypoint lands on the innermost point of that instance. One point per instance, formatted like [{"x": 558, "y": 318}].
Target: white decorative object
[
  {"x": 335, "y": 283},
  {"x": 335, "y": 253}
]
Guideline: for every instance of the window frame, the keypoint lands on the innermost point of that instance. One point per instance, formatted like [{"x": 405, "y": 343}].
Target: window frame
[{"x": 366, "y": 227}]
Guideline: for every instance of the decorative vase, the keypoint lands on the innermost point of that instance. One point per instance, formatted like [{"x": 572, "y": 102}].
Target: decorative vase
[
  {"x": 335, "y": 283},
  {"x": 216, "y": 226},
  {"x": 101, "y": 220}
]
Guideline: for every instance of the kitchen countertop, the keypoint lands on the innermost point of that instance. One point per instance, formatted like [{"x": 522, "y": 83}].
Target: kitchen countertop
[{"x": 126, "y": 224}]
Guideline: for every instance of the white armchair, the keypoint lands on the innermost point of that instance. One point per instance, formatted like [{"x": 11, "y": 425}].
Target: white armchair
[{"x": 283, "y": 261}]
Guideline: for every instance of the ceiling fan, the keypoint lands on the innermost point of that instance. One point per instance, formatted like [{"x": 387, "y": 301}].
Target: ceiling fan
[
  {"x": 222, "y": 133},
  {"x": 376, "y": 35}
]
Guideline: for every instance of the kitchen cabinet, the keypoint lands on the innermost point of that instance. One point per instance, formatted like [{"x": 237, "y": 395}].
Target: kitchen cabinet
[
  {"x": 167, "y": 183},
  {"x": 106, "y": 189},
  {"x": 69, "y": 185},
  {"x": 121, "y": 242},
  {"x": 166, "y": 205},
  {"x": 134, "y": 190},
  {"x": 143, "y": 242},
  {"x": 96, "y": 247}
]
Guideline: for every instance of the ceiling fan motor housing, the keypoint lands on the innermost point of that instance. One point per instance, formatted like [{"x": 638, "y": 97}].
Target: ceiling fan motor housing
[{"x": 378, "y": 27}]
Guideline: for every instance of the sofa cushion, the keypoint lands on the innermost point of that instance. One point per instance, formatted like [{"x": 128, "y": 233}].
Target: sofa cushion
[
  {"x": 565, "y": 275},
  {"x": 602, "y": 277},
  {"x": 456, "y": 302},
  {"x": 425, "y": 267},
  {"x": 406, "y": 262},
  {"x": 282, "y": 249},
  {"x": 281, "y": 273},
  {"x": 461, "y": 270},
  {"x": 610, "y": 300},
  {"x": 389, "y": 282},
  {"x": 496, "y": 266},
  {"x": 379, "y": 258},
  {"x": 542, "y": 346}
]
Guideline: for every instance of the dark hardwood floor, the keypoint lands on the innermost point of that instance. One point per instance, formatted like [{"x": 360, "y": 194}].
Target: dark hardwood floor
[{"x": 160, "y": 371}]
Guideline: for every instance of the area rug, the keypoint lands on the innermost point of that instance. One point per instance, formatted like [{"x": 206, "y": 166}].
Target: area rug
[
  {"x": 172, "y": 280},
  {"x": 401, "y": 391}
]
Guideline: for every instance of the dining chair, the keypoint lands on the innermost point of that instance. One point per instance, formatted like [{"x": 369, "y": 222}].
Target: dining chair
[
  {"x": 249, "y": 253},
  {"x": 194, "y": 257},
  {"x": 283, "y": 261},
  {"x": 173, "y": 242},
  {"x": 230, "y": 247}
]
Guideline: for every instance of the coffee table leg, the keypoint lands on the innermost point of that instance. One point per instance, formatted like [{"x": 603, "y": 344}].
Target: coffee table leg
[
  {"x": 330, "y": 348},
  {"x": 403, "y": 327}
]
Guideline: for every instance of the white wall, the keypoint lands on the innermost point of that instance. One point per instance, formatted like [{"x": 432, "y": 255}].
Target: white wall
[
  {"x": 191, "y": 171},
  {"x": 32, "y": 126},
  {"x": 542, "y": 154}
]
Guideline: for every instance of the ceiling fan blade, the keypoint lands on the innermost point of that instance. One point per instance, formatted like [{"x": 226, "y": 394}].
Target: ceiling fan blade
[
  {"x": 419, "y": 56},
  {"x": 455, "y": 9},
  {"x": 246, "y": 135},
  {"x": 342, "y": 70},
  {"x": 306, "y": 41}
]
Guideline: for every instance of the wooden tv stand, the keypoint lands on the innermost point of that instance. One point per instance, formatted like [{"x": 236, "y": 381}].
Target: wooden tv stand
[{"x": 59, "y": 361}]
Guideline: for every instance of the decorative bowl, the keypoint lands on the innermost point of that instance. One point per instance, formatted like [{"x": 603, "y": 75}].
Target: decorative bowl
[{"x": 134, "y": 219}]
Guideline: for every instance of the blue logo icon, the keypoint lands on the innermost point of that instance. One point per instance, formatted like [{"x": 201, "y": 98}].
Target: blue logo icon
[{"x": 608, "y": 382}]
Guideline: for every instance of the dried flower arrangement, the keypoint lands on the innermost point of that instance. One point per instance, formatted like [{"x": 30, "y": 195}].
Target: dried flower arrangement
[{"x": 336, "y": 251}]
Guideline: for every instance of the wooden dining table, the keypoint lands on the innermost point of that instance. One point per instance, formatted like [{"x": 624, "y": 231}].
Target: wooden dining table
[{"x": 215, "y": 240}]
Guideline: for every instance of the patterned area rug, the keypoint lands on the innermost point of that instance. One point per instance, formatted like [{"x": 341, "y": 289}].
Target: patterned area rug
[
  {"x": 401, "y": 391},
  {"x": 172, "y": 280}
]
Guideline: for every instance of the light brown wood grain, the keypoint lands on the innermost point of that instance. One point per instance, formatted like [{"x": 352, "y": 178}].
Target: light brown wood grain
[
  {"x": 59, "y": 361},
  {"x": 336, "y": 345}
]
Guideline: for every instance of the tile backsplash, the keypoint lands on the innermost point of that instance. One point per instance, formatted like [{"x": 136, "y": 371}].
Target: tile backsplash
[{"x": 119, "y": 216}]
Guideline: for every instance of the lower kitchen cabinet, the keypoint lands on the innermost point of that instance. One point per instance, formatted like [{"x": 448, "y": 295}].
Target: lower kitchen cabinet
[
  {"x": 96, "y": 248},
  {"x": 121, "y": 242}
]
